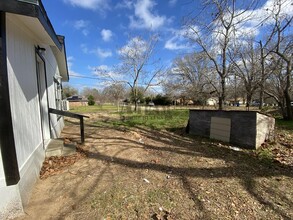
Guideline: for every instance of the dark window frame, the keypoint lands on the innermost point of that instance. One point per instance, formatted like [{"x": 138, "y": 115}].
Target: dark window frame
[{"x": 58, "y": 96}]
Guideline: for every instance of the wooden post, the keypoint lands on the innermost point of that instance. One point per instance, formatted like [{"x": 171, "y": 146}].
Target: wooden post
[
  {"x": 81, "y": 129},
  {"x": 72, "y": 115}
]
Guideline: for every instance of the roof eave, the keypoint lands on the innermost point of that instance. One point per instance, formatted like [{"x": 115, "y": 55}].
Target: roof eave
[
  {"x": 32, "y": 10},
  {"x": 62, "y": 59}
]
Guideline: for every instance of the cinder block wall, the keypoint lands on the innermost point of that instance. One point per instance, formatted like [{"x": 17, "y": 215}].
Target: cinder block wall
[
  {"x": 248, "y": 129},
  {"x": 77, "y": 104}
]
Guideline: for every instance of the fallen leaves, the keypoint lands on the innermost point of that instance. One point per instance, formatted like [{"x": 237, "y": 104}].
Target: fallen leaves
[
  {"x": 281, "y": 149},
  {"x": 55, "y": 164}
]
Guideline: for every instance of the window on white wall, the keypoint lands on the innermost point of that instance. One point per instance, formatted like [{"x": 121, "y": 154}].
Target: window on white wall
[{"x": 58, "y": 96}]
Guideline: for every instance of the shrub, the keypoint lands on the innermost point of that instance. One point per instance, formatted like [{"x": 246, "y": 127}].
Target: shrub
[
  {"x": 162, "y": 100},
  {"x": 91, "y": 100}
]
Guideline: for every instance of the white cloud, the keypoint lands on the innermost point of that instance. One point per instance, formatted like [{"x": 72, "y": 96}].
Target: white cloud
[
  {"x": 172, "y": 3},
  {"x": 173, "y": 44},
  {"x": 101, "y": 68},
  {"x": 70, "y": 59},
  {"x": 84, "y": 48},
  {"x": 266, "y": 12},
  {"x": 106, "y": 34},
  {"x": 128, "y": 4},
  {"x": 249, "y": 23},
  {"x": 83, "y": 26},
  {"x": 107, "y": 73},
  {"x": 90, "y": 4},
  {"x": 135, "y": 47},
  {"x": 144, "y": 18},
  {"x": 102, "y": 53},
  {"x": 245, "y": 25},
  {"x": 85, "y": 32},
  {"x": 99, "y": 52},
  {"x": 178, "y": 41},
  {"x": 71, "y": 72}
]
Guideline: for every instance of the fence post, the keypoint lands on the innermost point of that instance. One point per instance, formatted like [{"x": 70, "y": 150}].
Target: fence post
[{"x": 82, "y": 129}]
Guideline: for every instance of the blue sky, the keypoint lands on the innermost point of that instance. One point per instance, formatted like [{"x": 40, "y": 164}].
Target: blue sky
[{"x": 95, "y": 30}]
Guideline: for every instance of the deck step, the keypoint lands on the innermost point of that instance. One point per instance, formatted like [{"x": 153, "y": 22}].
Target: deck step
[{"x": 57, "y": 147}]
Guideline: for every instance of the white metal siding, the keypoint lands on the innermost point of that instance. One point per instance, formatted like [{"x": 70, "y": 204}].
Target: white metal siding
[
  {"x": 21, "y": 62},
  {"x": 52, "y": 71},
  {"x": 25, "y": 108}
]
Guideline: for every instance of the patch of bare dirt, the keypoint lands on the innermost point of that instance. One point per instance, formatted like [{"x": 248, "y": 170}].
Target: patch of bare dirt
[{"x": 138, "y": 173}]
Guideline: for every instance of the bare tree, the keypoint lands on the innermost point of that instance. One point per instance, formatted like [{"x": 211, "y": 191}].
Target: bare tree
[
  {"x": 263, "y": 73},
  {"x": 214, "y": 36},
  {"x": 246, "y": 65},
  {"x": 276, "y": 82},
  {"x": 191, "y": 75},
  {"x": 68, "y": 91},
  {"x": 138, "y": 68},
  {"x": 115, "y": 92},
  {"x": 91, "y": 91},
  {"x": 281, "y": 39},
  {"x": 173, "y": 86}
]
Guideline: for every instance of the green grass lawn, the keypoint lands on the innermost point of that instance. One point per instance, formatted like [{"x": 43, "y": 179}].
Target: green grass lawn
[
  {"x": 94, "y": 108},
  {"x": 284, "y": 124},
  {"x": 166, "y": 119},
  {"x": 169, "y": 119}
]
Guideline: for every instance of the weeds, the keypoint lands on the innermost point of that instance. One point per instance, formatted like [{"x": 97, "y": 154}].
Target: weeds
[{"x": 266, "y": 156}]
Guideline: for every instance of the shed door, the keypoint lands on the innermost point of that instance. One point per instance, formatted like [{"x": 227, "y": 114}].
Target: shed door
[
  {"x": 43, "y": 99},
  {"x": 220, "y": 129}
]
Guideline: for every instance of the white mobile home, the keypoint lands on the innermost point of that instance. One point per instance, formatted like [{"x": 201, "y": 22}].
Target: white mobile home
[{"x": 32, "y": 68}]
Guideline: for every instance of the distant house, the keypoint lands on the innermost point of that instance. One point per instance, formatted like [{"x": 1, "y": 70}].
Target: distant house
[
  {"x": 236, "y": 101},
  {"x": 184, "y": 101},
  {"x": 77, "y": 101},
  {"x": 212, "y": 101},
  {"x": 32, "y": 68},
  {"x": 74, "y": 98}
]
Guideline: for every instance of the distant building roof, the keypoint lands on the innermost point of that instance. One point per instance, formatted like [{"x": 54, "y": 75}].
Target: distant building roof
[{"x": 76, "y": 98}]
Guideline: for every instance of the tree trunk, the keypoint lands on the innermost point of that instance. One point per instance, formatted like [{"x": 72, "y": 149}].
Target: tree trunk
[
  {"x": 135, "y": 105},
  {"x": 262, "y": 61},
  {"x": 248, "y": 101},
  {"x": 289, "y": 114},
  {"x": 135, "y": 96},
  {"x": 287, "y": 93},
  {"x": 288, "y": 106},
  {"x": 283, "y": 110},
  {"x": 261, "y": 94},
  {"x": 222, "y": 96}
]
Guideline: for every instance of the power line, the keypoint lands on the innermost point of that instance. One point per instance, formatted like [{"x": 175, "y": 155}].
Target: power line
[{"x": 85, "y": 77}]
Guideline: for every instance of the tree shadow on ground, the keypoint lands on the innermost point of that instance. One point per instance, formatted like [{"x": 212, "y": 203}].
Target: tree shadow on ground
[{"x": 241, "y": 165}]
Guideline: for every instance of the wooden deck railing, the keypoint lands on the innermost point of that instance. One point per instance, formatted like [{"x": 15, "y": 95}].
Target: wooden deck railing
[{"x": 71, "y": 115}]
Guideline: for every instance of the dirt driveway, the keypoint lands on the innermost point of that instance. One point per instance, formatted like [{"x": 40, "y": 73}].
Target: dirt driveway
[{"x": 138, "y": 173}]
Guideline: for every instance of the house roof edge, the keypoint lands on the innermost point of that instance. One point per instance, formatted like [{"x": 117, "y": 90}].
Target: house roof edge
[{"x": 32, "y": 10}]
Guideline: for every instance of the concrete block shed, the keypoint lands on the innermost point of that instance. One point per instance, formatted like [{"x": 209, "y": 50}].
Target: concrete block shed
[{"x": 247, "y": 129}]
